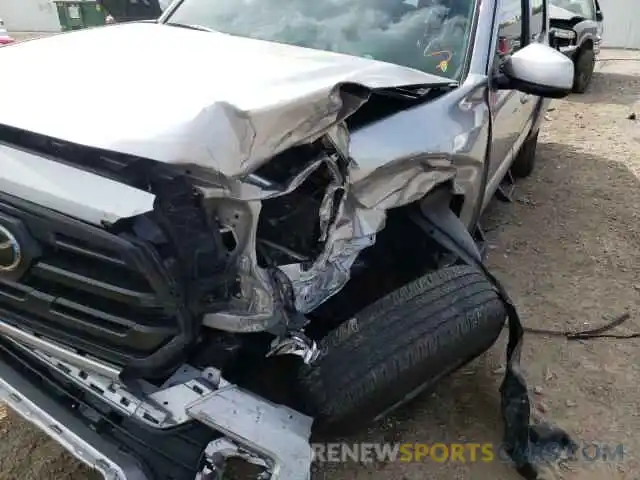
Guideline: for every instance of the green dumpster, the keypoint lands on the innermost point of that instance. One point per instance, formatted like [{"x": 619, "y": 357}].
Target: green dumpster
[{"x": 77, "y": 14}]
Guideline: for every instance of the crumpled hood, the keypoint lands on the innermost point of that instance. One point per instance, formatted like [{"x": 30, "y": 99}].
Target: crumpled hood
[
  {"x": 183, "y": 96},
  {"x": 559, "y": 13}
]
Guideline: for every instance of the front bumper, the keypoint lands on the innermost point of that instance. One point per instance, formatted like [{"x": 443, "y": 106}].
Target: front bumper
[
  {"x": 597, "y": 43},
  {"x": 569, "y": 50},
  {"x": 253, "y": 428},
  {"x": 39, "y": 408}
]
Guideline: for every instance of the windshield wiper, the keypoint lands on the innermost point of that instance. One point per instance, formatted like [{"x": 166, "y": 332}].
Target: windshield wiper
[
  {"x": 189, "y": 26},
  {"x": 415, "y": 92}
]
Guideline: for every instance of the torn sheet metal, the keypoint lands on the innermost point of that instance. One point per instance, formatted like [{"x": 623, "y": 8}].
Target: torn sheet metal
[
  {"x": 181, "y": 96},
  {"x": 361, "y": 213},
  {"x": 273, "y": 431}
]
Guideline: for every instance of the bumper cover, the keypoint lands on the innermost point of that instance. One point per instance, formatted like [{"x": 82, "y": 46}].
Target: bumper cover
[
  {"x": 271, "y": 435},
  {"x": 44, "y": 412},
  {"x": 569, "y": 50}
]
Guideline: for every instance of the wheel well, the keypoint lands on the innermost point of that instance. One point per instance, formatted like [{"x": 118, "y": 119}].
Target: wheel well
[
  {"x": 587, "y": 45},
  {"x": 402, "y": 253},
  {"x": 457, "y": 202}
]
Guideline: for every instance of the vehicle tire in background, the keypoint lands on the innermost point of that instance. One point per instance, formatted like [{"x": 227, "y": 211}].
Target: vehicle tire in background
[
  {"x": 585, "y": 63},
  {"x": 525, "y": 161},
  {"x": 399, "y": 346}
]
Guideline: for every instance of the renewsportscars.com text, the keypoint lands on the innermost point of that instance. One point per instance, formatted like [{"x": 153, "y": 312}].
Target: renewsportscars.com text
[{"x": 459, "y": 452}]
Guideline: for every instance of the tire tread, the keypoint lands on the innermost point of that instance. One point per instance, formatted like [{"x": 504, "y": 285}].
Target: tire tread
[{"x": 433, "y": 324}]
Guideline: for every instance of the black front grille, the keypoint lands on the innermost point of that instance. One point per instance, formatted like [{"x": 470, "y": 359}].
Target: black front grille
[
  {"x": 559, "y": 42},
  {"x": 101, "y": 293}
]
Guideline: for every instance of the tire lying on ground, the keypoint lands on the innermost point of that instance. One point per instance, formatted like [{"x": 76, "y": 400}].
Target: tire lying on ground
[{"x": 399, "y": 346}]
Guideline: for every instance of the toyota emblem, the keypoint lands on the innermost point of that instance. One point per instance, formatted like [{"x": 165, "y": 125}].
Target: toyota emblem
[{"x": 10, "y": 251}]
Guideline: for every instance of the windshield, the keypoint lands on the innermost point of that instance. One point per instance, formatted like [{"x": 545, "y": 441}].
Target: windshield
[
  {"x": 428, "y": 35},
  {"x": 582, "y": 8}
]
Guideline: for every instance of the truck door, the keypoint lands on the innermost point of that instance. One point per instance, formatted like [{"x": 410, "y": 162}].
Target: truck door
[
  {"x": 538, "y": 26},
  {"x": 508, "y": 105}
]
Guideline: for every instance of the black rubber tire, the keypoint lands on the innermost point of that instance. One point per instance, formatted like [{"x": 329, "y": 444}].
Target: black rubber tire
[
  {"x": 525, "y": 162},
  {"x": 399, "y": 346},
  {"x": 584, "y": 64}
]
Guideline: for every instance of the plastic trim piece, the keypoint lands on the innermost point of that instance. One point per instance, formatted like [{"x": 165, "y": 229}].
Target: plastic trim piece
[{"x": 81, "y": 442}]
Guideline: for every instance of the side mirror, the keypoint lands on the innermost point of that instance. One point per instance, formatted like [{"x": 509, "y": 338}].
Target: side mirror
[
  {"x": 599, "y": 16},
  {"x": 539, "y": 70}
]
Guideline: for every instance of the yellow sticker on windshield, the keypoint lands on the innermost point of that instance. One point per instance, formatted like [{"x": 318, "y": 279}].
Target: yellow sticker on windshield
[{"x": 443, "y": 64}]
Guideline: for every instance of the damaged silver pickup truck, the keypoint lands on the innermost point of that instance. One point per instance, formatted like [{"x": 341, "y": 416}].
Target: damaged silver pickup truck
[{"x": 265, "y": 222}]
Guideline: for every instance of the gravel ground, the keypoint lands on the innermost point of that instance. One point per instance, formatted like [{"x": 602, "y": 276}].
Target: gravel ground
[{"x": 569, "y": 251}]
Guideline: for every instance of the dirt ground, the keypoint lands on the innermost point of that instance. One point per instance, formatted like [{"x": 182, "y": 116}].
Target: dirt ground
[{"x": 569, "y": 251}]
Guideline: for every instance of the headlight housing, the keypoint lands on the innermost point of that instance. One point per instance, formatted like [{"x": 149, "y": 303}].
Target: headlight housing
[{"x": 563, "y": 34}]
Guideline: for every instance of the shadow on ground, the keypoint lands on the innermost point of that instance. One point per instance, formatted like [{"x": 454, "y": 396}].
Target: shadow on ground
[
  {"x": 611, "y": 88},
  {"x": 581, "y": 186}
]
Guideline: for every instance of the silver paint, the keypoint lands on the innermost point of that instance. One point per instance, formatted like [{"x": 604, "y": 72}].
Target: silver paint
[
  {"x": 539, "y": 64},
  {"x": 77, "y": 440},
  {"x": 276, "y": 433},
  {"x": 209, "y": 99},
  {"x": 38, "y": 343}
]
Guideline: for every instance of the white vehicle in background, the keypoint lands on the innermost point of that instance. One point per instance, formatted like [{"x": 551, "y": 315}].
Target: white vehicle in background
[
  {"x": 576, "y": 30},
  {"x": 5, "y": 39}
]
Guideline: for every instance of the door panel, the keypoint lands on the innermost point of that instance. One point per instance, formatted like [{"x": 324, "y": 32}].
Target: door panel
[
  {"x": 539, "y": 33},
  {"x": 514, "y": 111},
  {"x": 506, "y": 109},
  {"x": 509, "y": 106}
]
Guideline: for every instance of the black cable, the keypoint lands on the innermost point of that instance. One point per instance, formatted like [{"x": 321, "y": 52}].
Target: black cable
[{"x": 520, "y": 436}]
